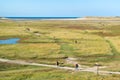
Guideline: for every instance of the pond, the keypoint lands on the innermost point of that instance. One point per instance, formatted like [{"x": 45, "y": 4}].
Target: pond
[{"x": 10, "y": 41}]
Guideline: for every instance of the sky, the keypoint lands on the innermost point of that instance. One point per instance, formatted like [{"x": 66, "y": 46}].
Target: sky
[{"x": 59, "y": 8}]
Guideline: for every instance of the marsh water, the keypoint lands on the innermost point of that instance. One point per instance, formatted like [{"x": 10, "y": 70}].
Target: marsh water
[{"x": 10, "y": 41}]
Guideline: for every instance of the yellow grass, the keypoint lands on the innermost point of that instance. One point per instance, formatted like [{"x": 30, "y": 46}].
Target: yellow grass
[
  {"x": 92, "y": 47},
  {"x": 68, "y": 34},
  {"x": 29, "y": 50},
  {"x": 13, "y": 31},
  {"x": 115, "y": 41}
]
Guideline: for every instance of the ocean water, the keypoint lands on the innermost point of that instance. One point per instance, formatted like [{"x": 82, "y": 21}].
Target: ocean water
[
  {"x": 9, "y": 41},
  {"x": 39, "y": 18}
]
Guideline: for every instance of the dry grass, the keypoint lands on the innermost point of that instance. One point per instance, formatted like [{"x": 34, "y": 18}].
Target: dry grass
[
  {"x": 116, "y": 42},
  {"x": 57, "y": 40}
]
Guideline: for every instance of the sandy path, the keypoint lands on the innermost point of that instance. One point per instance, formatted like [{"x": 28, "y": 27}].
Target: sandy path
[{"x": 90, "y": 69}]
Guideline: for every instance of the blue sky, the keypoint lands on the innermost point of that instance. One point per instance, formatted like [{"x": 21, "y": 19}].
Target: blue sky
[{"x": 59, "y": 8}]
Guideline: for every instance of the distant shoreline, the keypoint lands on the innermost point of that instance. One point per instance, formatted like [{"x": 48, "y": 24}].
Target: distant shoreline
[{"x": 42, "y": 18}]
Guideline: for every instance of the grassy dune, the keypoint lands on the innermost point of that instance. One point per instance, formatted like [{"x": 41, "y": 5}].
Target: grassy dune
[{"x": 48, "y": 41}]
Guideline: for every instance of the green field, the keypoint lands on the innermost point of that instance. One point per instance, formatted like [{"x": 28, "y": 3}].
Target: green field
[
  {"x": 43, "y": 73},
  {"x": 46, "y": 42}
]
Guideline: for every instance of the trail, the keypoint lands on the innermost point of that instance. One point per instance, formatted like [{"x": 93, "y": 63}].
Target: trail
[{"x": 90, "y": 69}]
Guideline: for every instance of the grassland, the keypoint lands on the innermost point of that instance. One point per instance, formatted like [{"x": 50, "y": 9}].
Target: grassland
[
  {"x": 52, "y": 74},
  {"x": 89, "y": 42}
]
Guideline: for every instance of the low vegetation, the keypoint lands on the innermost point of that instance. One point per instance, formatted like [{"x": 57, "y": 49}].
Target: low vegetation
[
  {"x": 52, "y": 74},
  {"x": 46, "y": 42}
]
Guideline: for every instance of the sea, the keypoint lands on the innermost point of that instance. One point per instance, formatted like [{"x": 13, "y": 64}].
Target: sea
[{"x": 40, "y": 18}]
